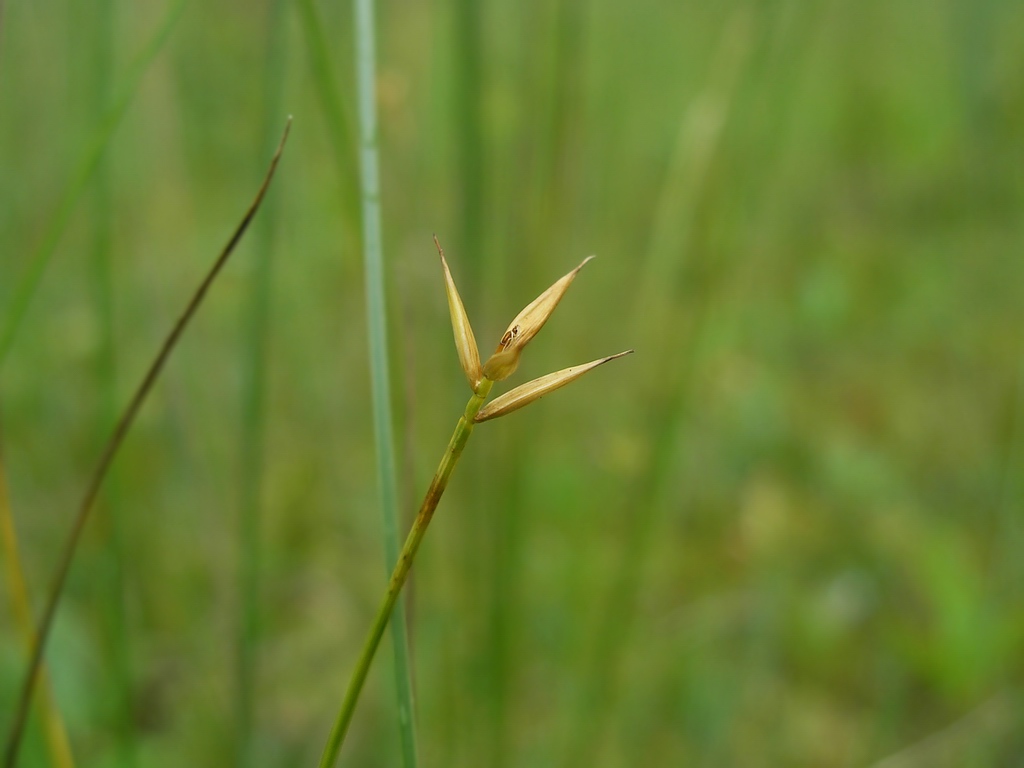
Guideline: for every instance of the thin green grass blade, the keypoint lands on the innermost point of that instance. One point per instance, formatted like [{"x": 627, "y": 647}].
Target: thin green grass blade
[
  {"x": 110, "y": 564},
  {"x": 688, "y": 176},
  {"x": 690, "y": 163},
  {"x": 366, "y": 80},
  {"x": 252, "y": 436},
  {"x": 53, "y": 724},
  {"x": 84, "y": 171},
  {"x": 468, "y": 74},
  {"x": 339, "y": 123},
  {"x": 554, "y": 56}
]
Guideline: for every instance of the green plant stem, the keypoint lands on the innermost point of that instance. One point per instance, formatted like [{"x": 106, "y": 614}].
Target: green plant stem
[
  {"x": 87, "y": 165},
  {"x": 253, "y": 432},
  {"x": 110, "y": 566},
  {"x": 336, "y": 114},
  {"x": 56, "y": 734},
  {"x": 468, "y": 78},
  {"x": 419, "y": 527},
  {"x": 380, "y": 377}
]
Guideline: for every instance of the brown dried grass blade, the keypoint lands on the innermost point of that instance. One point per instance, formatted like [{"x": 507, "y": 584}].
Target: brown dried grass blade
[{"x": 64, "y": 564}]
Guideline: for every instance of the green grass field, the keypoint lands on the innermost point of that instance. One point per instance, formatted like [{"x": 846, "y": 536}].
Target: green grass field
[{"x": 786, "y": 532}]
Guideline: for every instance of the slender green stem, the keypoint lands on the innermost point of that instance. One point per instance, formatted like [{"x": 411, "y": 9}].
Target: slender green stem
[
  {"x": 88, "y": 163},
  {"x": 110, "y": 566},
  {"x": 56, "y": 734},
  {"x": 380, "y": 377},
  {"x": 468, "y": 78},
  {"x": 336, "y": 114},
  {"x": 253, "y": 432},
  {"x": 419, "y": 527}
]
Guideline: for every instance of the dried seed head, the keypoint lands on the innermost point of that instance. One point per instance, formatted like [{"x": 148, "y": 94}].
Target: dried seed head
[
  {"x": 525, "y": 326},
  {"x": 536, "y": 389},
  {"x": 465, "y": 342}
]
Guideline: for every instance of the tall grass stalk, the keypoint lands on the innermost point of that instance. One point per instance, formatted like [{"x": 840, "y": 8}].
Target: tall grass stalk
[
  {"x": 111, "y": 565},
  {"x": 468, "y": 74},
  {"x": 252, "y": 436},
  {"x": 697, "y": 143},
  {"x": 106, "y": 460},
  {"x": 56, "y": 735},
  {"x": 554, "y": 59},
  {"x": 83, "y": 173},
  {"x": 339, "y": 122},
  {"x": 380, "y": 378}
]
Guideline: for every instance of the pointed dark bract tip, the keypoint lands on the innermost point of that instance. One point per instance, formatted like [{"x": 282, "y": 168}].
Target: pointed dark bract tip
[{"x": 620, "y": 354}]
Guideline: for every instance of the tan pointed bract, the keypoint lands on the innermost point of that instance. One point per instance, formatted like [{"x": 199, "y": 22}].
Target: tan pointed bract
[
  {"x": 536, "y": 389},
  {"x": 525, "y": 326},
  {"x": 465, "y": 342}
]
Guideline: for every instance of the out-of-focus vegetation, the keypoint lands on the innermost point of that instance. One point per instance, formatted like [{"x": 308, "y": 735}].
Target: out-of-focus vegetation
[{"x": 786, "y": 532}]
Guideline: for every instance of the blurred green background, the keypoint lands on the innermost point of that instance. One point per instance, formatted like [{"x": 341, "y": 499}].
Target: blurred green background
[{"x": 786, "y": 532}]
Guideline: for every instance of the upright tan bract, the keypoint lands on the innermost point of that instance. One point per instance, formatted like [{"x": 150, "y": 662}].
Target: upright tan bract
[
  {"x": 525, "y": 326},
  {"x": 465, "y": 342}
]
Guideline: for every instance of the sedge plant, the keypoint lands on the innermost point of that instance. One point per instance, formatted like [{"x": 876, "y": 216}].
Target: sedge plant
[{"x": 481, "y": 378}]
